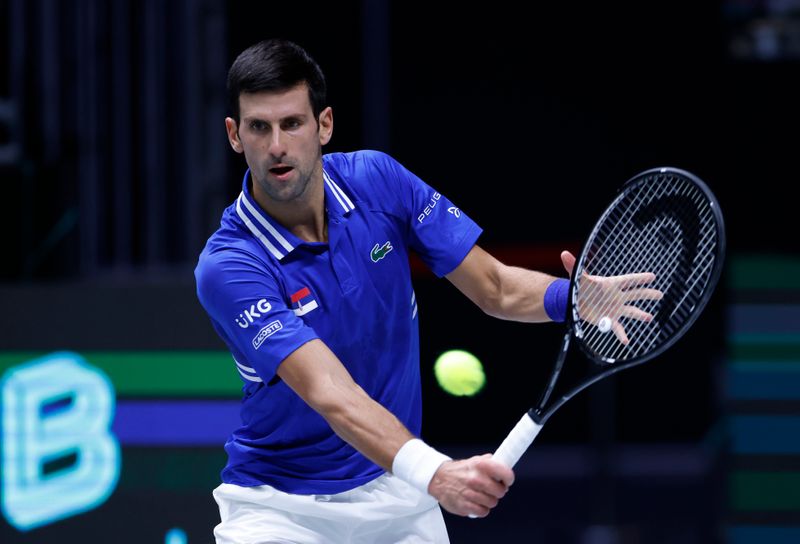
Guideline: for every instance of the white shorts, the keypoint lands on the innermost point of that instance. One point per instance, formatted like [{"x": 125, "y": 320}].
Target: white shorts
[{"x": 385, "y": 510}]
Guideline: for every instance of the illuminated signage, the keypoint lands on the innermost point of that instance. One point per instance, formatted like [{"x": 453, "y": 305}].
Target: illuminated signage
[{"x": 59, "y": 457}]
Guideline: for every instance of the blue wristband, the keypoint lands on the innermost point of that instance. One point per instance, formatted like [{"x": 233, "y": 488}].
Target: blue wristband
[{"x": 555, "y": 299}]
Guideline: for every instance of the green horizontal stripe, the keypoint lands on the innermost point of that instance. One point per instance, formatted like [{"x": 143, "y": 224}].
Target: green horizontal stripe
[
  {"x": 160, "y": 469},
  {"x": 157, "y": 373},
  {"x": 764, "y": 347},
  {"x": 764, "y": 272},
  {"x": 775, "y": 491}
]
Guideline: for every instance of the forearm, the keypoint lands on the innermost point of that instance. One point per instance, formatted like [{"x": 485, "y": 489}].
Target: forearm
[
  {"x": 320, "y": 379},
  {"x": 506, "y": 292},
  {"x": 465, "y": 487},
  {"x": 366, "y": 425},
  {"x": 519, "y": 295},
  {"x": 380, "y": 436}
]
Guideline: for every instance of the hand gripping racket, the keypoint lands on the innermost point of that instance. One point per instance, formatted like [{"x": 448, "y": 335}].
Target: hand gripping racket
[{"x": 664, "y": 222}]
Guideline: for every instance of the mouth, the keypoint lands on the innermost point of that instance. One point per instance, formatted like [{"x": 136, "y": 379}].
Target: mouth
[{"x": 281, "y": 172}]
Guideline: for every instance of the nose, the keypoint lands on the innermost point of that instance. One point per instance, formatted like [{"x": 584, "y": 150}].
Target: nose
[{"x": 277, "y": 144}]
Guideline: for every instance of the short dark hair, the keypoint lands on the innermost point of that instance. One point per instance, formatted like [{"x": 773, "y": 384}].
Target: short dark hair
[{"x": 275, "y": 65}]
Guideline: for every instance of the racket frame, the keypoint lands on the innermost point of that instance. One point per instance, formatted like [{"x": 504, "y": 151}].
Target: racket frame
[{"x": 526, "y": 430}]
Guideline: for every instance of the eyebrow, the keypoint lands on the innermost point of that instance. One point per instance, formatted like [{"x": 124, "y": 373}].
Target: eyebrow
[{"x": 251, "y": 118}]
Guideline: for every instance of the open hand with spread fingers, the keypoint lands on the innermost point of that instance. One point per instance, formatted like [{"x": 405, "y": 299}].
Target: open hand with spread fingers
[{"x": 603, "y": 300}]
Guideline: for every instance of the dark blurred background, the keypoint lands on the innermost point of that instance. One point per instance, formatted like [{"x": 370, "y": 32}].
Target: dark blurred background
[{"x": 116, "y": 168}]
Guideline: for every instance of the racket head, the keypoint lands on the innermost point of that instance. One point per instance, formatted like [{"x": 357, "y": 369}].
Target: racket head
[{"x": 663, "y": 220}]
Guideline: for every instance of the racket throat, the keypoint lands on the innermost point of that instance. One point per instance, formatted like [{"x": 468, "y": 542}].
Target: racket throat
[{"x": 539, "y": 414}]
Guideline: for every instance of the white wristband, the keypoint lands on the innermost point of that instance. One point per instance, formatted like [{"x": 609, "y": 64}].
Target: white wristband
[{"x": 416, "y": 463}]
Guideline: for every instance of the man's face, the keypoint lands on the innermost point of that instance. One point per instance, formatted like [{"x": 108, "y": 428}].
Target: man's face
[{"x": 281, "y": 141}]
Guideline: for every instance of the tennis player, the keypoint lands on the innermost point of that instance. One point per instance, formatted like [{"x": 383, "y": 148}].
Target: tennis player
[{"x": 307, "y": 281}]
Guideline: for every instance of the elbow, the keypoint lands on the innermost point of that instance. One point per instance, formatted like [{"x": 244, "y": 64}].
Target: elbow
[
  {"x": 492, "y": 297},
  {"x": 492, "y": 306}
]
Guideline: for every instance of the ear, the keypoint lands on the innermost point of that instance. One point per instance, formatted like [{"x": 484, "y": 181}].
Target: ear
[
  {"x": 233, "y": 134},
  {"x": 325, "y": 125}
]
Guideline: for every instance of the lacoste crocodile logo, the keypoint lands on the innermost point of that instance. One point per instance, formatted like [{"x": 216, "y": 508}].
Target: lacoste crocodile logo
[{"x": 379, "y": 253}]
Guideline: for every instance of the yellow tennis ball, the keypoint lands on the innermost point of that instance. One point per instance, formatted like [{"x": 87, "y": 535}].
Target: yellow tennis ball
[{"x": 459, "y": 373}]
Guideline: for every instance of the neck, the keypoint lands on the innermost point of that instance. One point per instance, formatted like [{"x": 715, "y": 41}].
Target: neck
[{"x": 304, "y": 216}]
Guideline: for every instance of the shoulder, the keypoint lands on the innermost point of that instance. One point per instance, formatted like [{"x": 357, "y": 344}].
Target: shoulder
[
  {"x": 230, "y": 244},
  {"x": 226, "y": 262},
  {"x": 228, "y": 253},
  {"x": 372, "y": 176},
  {"x": 360, "y": 162}
]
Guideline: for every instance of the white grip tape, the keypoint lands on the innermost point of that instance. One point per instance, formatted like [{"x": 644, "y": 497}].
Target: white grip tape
[{"x": 517, "y": 441}]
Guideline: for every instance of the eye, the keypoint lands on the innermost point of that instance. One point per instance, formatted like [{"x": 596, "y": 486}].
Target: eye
[
  {"x": 291, "y": 124},
  {"x": 257, "y": 125}
]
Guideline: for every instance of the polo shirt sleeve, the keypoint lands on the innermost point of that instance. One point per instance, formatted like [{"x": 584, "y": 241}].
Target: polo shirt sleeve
[
  {"x": 440, "y": 232},
  {"x": 247, "y": 307}
]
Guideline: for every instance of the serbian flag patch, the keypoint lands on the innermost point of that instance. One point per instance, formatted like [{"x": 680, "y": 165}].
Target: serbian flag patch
[{"x": 303, "y": 302}]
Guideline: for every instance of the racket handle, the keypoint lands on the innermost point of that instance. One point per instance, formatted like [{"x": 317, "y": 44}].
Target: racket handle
[{"x": 517, "y": 441}]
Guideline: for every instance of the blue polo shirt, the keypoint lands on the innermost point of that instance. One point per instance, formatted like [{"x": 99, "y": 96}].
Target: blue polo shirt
[{"x": 268, "y": 292}]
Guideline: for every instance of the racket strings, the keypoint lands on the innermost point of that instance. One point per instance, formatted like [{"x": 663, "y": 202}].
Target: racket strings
[
  {"x": 705, "y": 266},
  {"x": 675, "y": 243},
  {"x": 640, "y": 331},
  {"x": 638, "y": 255},
  {"x": 649, "y": 255},
  {"x": 649, "y": 336}
]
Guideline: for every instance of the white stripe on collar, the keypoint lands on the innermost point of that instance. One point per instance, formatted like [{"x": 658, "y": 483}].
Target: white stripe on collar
[
  {"x": 344, "y": 201},
  {"x": 266, "y": 224},
  {"x": 257, "y": 233}
]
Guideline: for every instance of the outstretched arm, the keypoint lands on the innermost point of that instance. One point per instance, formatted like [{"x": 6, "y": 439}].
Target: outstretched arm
[
  {"x": 507, "y": 292},
  {"x": 517, "y": 294},
  {"x": 469, "y": 486}
]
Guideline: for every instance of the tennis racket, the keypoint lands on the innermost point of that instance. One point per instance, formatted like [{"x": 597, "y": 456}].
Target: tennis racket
[{"x": 643, "y": 277}]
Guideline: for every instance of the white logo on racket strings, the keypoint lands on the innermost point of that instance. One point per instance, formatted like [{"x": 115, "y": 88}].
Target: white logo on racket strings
[
  {"x": 255, "y": 311},
  {"x": 429, "y": 207}
]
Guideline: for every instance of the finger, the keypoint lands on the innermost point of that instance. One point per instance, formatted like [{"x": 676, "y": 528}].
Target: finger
[
  {"x": 643, "y": 294},
  {"x": 490, "y": 487},
  {"x": 481, "y": 500},
  {"x": 471, "y": 504},
  {"x": 619, "y": 331},
  {"x": 635, "y": 313},
  {"x": 464, "y": 505},
  {"x": 476, "y": 511},
  {"x": 489, "y": 476},
  {"x": 568, "y": 260},
  {"x": 632, "y": 280},
  {"x": 498, "y": 471}
]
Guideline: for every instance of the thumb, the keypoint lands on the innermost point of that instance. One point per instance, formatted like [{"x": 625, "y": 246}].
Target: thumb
[{"x": 568, "y": 260}]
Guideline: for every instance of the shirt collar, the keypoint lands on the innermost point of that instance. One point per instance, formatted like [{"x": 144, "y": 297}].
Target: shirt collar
[
  {"x": 275, "y": 238},
  {"x": 333, "y": 192}
]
